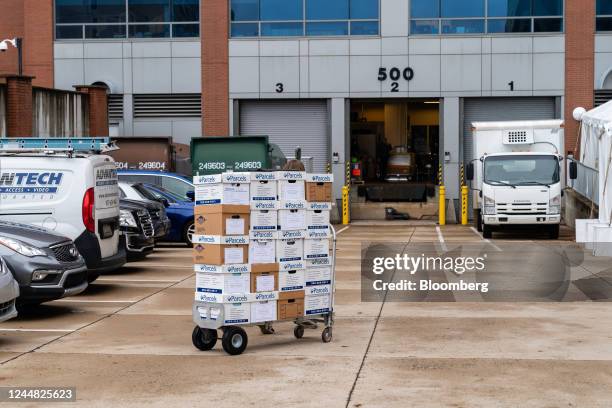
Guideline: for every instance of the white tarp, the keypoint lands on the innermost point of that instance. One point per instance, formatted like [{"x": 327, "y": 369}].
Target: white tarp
[{"x": 596, "y": 152}]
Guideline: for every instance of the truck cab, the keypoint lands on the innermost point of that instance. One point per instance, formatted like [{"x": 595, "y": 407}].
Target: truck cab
[{"x": 517, "y": 176}]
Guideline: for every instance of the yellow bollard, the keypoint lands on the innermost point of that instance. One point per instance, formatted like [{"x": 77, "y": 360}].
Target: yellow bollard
[
  {"x": 442, "y": 205},
  {"x": 464, "y": 205},
  {"x": 345, "y": 205}
]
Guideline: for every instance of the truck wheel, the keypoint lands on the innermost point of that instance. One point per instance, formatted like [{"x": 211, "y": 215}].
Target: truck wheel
[
  {"x": 487, "y": 231},
  {"x": 204, "y": 339},
  {"x": 479, "y": 220},
  {"x": 188, "y": 232},
  {"x": 553, "y": 232}
]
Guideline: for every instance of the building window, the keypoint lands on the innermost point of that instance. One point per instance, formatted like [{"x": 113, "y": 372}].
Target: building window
[
  {"x": 604, "y": 15},
  {"x": 294, "y": 18},
  {"x": 108, "y": 19},
  {"x": 431, "y": 17}
]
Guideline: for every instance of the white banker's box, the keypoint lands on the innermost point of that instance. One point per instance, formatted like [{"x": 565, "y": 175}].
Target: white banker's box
[
  {"x": 291, "y": 220},
  {"x": 291, "y": 280},
  {"x": 289, "y": 250},
  {"x": 317, "y": 223},
  {"x": 226, "y": 188},
  {"x": 223, "y": 283},
  {"x": 264, "y": 220},
  {"x": 291, "y": 185},
  {"x": 262, "y": 251},
  {"x": 317, "y": 299},
  {"x": 316, "y": 276},
  {"x": 316, "y": 248},
  {"x": 227, "y": 313},
  {"x": 263, "y": 189}
]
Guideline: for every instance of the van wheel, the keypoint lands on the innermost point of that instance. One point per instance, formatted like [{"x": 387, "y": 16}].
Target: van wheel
[
  {"x": 553, "y": 232},
  {"x": 479, "y": 220},
  {"x": 487, "y": 231},
  {"x": 188, "y": 233}
]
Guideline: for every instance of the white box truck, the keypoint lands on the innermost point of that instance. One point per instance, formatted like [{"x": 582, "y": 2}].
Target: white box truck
[
  {"x": 517, "y": 177},
  {"x": 66, "y": 186}
]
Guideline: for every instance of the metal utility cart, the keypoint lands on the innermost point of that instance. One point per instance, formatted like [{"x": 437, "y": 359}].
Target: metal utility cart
[{"x": 234, "y": 338}]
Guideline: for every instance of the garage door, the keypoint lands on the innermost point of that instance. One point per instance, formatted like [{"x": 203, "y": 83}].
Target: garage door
[
  {"x": 289, "y": 124},
  {"x": 494, "y": 109}
]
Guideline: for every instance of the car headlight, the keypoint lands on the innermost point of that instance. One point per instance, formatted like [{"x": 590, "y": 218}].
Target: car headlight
[
  {"x": 554, "y": 205},
  {"x": 489, "y": 206},
  {"x": 126, "y": 219},
  {"x": 21, "y": 248}
]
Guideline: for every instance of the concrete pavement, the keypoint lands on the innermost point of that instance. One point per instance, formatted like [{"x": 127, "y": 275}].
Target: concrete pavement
[{"x": 126, "y": 342}]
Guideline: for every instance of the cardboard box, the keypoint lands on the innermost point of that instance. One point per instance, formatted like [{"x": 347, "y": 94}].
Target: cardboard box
[
  {"x": 291, "y": 186},
  {"x": 290, "y": 308},
  {"x": 291, "y": 220},
  {"x": 289, "y": 250},
  {"x": 233, "y": 268},
  {"x": 226, "y": 188},
  {"x": 318, "y": 276},
  {"x": 262, "y": 251},
  {"x": 319, "y": 187},
  {"x": 263, "y": 190},
  {"x": 269, "y": 267},
  {"x": 222, "y": 219},
  {"x": 290, "y": 281},
  {"x": 220, "y": 254},
  {"x": 317, "y": 304},
  {"x": 316, "y": 248},
  {"x": 265, "y": 281},
  {"x": 223, "y": 283},
  {"x": 264, "y": 220},
  {"x": 266, "y": 311}
]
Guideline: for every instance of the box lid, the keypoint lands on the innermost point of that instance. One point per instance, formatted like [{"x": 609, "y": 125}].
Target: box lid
[
  {"x": 223, "y": 209},
  {"x": 320, "y": 178}
]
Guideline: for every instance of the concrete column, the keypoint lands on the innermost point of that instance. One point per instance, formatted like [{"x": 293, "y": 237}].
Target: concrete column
[
  {"x": 128, "y": 115},
  {"x": 18, "y": 105},
  {"x": 98, "y": 109},
  {"x": 451, "y": 142},
  {"x": 339, "y": 143}
]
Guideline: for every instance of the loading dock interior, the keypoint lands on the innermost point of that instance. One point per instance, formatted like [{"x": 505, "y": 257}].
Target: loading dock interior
[{"x": 394, "y": 149}]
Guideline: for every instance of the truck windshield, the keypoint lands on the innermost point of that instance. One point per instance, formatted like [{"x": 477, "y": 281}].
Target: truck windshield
[{"x": 521, "y": 170}]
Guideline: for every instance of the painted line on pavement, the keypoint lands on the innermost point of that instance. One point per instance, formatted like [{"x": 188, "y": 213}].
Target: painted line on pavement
[
  {"x": 441, "y": 239},
  {"x": 37, "y": 330},
  {"x": 136, "y": 280},
  {"x": 94, "y": 301},
  {"x": 475, "y": 231},
  {"x": 343, "y": 229}
]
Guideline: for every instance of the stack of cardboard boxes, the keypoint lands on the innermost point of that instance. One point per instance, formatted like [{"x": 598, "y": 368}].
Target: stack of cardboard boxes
[{"x": 261, "y": 249}]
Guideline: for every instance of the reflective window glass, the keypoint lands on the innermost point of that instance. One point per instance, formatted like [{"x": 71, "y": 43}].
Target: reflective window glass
[
  {"x": 462, "y": 8},
  {"x": 244, "y": 30},
  {"x": 424, "y": 27},
  {"x": 186, "y": 10},
  {"x": 281, "y": 10},
  {"x": 424, "y": 9},
  {"x": 89, "y": 11},
  {"x": 104, "y": 31},
  {"x": 327, "y": 10},
  {"x": 364, "y": 9},
  {"x": 68, "y": 32},
  {"x": 146, "y": 11},
  {"x": 149, "y": 30},
  {"x": 548, "y": 25},
  {"x": 509, "y": 8},
  {"x": 282, "y": 29},
  {"x": 323, "y": 29},
  {"x": 547, "y": 7},
  {"x": 517, "y": 25},
  {"x": 604, "y": 7},
  {"x": 462, "y": 26},
  {"x": 244, "y": 10},
  {"x": 185, "y": 30},
  {"x": 364, "y": 27}
]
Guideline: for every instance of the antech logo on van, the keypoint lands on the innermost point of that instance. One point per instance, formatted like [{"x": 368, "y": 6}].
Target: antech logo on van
[{"x": 30, "y": 182}]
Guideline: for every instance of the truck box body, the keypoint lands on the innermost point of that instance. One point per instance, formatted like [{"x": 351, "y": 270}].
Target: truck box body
[{"x": 519, "y": 173}]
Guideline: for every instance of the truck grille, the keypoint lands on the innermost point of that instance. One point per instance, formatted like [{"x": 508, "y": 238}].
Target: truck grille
[
  {"x": 155, "y": 215},
  {"x": 6, "y": 307},
  {"x": 522, "y": 208},
  {"x": 144, "y": 219},
  {"x": 66, "y": 252}
]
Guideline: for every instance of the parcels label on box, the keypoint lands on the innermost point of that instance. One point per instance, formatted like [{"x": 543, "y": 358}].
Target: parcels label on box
[
  {"x": 317, "y": 262},
  {"x": 318, "y": 233},
  {"x": 318, "y": 206},
  {"x": 320, "y": 178},
  {"x": 292, "y": 204},
  {"x": 221, "y": 240},
  {"x": 263, "y": 235},
  {"x": 291, "y": 265},
  {"x": 263, "y": 175},
  {"x": 291, "y": 175},
  {"x": 295, "y": 234},
  {"x": 232, "y": 268},
  {"x": 318, "y": 290}
]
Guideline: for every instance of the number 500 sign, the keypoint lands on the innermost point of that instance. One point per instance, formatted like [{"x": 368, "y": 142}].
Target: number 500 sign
[{"x": 395, "y": 74}]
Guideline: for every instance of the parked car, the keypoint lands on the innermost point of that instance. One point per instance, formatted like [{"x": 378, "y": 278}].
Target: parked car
[
  {"x": 47, "y": 266},
  {"x": 68, "y": 188},
  {"x": 175, "y": 183},
  {"x": 156, "y": 208},
  {"x": 137, "y": 231},
  {"x": 9, "y": 291},
  {"x": 179, "y": 211}
]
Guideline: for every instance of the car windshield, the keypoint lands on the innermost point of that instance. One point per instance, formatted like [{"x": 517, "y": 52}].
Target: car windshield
[
  {"x": 161, "y": 192},
  {"x": 144, "y": 192},
  {"x": 176, "y": 186},
  {"x": 521, "y": 170}
]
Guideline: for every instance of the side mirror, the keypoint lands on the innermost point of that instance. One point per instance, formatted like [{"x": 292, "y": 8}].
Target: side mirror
[
  {"x": 469, "y": 172},
  {"x": 190, "y": 195},
  {"x": 573, "y": 170},
  {"x": 165, "y": 202}
]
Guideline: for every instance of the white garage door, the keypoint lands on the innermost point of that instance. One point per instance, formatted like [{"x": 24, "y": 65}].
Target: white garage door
[{"x": 290, "y": 124}]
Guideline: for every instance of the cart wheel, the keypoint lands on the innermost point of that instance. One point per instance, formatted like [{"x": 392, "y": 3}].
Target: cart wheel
[
  {"x": 204, "y": 339},
  {"x": 326, "y": 336},
  {"x": 266, "y": 329},
  {"x": 298, "y": 332},
  {"x": 234, "y": 340}
]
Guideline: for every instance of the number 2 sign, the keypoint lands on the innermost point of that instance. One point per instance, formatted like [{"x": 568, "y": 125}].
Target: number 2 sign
[{"x": 395, "y": 74}]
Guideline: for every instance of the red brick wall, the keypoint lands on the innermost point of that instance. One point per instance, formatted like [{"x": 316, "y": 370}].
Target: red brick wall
[
  {"x": 18, "y": 106},
  {"x": 33, "y": 21},
  {"x": 98, "y": 109},
  {"x": 215, "y": 67},
  {"x": 579, "y": 63}
]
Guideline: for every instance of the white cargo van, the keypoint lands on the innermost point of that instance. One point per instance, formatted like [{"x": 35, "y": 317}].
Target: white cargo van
[
  {"x": 63, "y": 185},
  {"x": 518, "y": 178}
]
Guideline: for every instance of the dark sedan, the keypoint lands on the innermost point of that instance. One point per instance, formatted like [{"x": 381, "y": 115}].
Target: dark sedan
[{"x": 45, "y": 265}]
